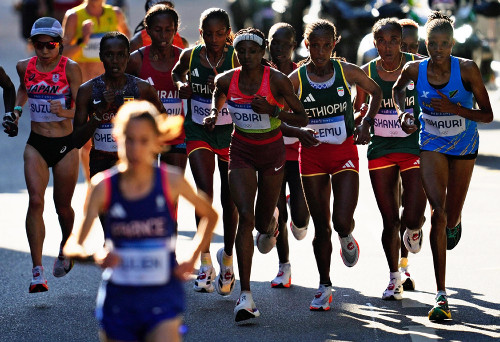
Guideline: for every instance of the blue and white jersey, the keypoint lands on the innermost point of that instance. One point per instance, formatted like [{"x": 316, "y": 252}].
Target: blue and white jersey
[
  {"x": 142, "y": 232},
  {"x": 445, "y": 133}
]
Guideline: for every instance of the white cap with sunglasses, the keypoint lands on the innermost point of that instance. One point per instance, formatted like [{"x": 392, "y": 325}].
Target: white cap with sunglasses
[{"x": 47, "y": 26}]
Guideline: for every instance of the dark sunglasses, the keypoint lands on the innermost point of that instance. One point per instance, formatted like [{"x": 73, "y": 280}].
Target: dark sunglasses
[{"x": 49, "y": 45}]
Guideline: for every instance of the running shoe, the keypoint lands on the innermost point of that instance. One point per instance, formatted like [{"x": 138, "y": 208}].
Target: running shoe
[
  {"x": 62, "y": 266},
  {"x": 245, "y": 308},
  {"x": 453, "y": 235},
  {"x": 298, "y": 233},
  {"x": 39, "y": 282},
  {"x": 413, "y": 240},
  {"x": 407, "y": 280},
  {"x": 440, "y": 311},
  {"x": 322, "y": 299},
  {"x": 284, "y": 277},
  {"x": 266, "y": 242},
  {"x": 224, "y": 284},
  {"x": 349, "y": 250},
  {"x": 205, "y": 280},
  {"x": 394, "y": 290}
]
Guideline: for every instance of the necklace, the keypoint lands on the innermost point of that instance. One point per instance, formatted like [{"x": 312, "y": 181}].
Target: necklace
[
  {"x": 216, "y": 65},
  {"x": 400, "y": 62}
]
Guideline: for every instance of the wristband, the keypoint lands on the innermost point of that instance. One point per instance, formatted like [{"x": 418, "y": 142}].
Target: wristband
[
  {"x": 19, "y": 109},
  {"x": 368, "y": 119},
  {"x": 276, "y": 113}
]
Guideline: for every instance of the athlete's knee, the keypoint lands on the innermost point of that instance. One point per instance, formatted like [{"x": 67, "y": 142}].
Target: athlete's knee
[
  {"x": 36, "y": 202},
  {"x": 343, "y": 225},
  {"x": 392, "y": 223},
  {"x": 414, "y": 221},
  {"x": 246, "y": 218},
  {"x": 64, "y": 210},
  {"x": 438, "y": 217},
  {"x": 322, "y": 232}
]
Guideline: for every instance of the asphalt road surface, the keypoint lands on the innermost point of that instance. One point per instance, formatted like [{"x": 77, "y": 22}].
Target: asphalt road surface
[{"x": 65, "y": 313}]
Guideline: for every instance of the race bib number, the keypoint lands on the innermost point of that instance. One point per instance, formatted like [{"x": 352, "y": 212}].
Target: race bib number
[
  {"x": 146, "y": 263},
  {"x": 443, "y": 125},
  {"x": 244, "y": 117},
  {"x": 387, "y": 124},
  {"x": 329, "y": 130},
  {"x": 91, "y": 49},
  {"x": 200, "y": 109},
  {"x": 40, "y": 107},
  {"x": 173, "y": 106},
  {"x": 103, "y": 138}
]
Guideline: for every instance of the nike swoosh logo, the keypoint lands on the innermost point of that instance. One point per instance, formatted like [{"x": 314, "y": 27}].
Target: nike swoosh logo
[
  {"x": 278, "y": 168},
  {"x": 236, "y": 98},
  {"x": 97, "y": 102}
]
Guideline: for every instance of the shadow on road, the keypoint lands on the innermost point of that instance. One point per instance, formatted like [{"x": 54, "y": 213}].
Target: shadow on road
[{"x": 488, "y": 161}]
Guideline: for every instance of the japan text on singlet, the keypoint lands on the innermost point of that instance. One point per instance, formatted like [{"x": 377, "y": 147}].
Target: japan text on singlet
[
  {"x": 387, "y": 134},
  {"x": 141, "y": 232},
  {"x": 107, "y": 22},
  {"x": 330, "y": 109},
  {"x": 200, "y": 103},
  {"x": 239, "y": 106},
  {"x": 164, "y": 85},
  {"x": 102, "y": 139},
  {"x": 446, "y": 133},
  {"x": 43, "y": 87}
]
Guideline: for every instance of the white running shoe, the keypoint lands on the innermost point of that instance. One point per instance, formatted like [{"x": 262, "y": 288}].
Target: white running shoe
[
  {"x": 266, "y": 242},
  {"x": 298, "y": 233},
  {"x": 413, "y": 240},
  {"x": 394, "y": 290},
  {"x": 284, "y": 277},
  {"x": 224, "y": 284},
  {"x": 205, "y": 280},
  {"x": 62, "y": 266},
  {"x": 322, "y": 299},
  {"x": 349, "y": 250},
  {"x": 38, "y": 282},
  {"x": 245, "y": 308}
]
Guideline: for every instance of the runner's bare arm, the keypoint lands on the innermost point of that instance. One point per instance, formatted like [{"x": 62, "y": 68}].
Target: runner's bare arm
[
  {"x": 121, "y": 22},
  {"x": 22, "y": 94},
  {"x": 134, "y": 64},
  {"x": 71, "y": 46},
  {"x": 470, "y": 74},
  {"x": 148, "y": 92},
  {"x": 74, "y": 76},
  {"x": 83, "y": 127},
  {"x": 74, "y": 245},
  {"x": 180, "y": 76},
  {"x": 409, "y": 73},
  {"x": 354, "y": 75},
  {"x": 219, "y": 96},
  {"x": 9, "y": 91},
  {"x": 282, "y": 85},
  {"x": 208, "y": 219}
]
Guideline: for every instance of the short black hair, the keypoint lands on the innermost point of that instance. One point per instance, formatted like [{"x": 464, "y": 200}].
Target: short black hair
[{"x": 113, "y": 35}]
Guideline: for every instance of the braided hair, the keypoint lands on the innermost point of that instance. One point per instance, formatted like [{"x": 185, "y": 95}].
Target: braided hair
[
  {"x": 438, "y": 21},
  {"x": 318, "y": 25},
  {"x": 219, "y": 14}
]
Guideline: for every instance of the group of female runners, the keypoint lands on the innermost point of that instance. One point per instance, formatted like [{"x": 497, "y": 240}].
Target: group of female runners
[{"x": 265, "y": 130}]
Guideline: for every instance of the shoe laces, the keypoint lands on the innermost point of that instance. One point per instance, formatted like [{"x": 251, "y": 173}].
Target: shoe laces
[{"x": 452, "y": 232}]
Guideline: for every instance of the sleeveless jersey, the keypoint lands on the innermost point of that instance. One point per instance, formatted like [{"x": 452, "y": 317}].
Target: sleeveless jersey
[
  {"x": 107, "y": 22},
  {"x": 102, "y": 139},
  {"x": 446, "y": 132},
  {"x": 142, "y": 233},
  {"x": 239, "y": 106},
  {"x": 387, "y": 134},
  {"x": 146, "y": 39},
  {"x": 43, "y": 87},
  {"x": 330, "y": 110},
  {"x": 200, "y": 103},
  {"x": 167, "y": 91}
]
